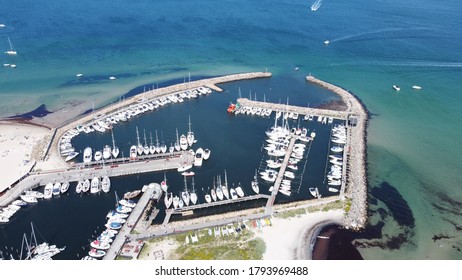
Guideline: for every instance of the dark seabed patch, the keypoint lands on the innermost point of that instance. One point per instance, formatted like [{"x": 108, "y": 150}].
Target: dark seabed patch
[
  {"x": 40, "y": 111},
  {"x": 95, "y": 79},
  {"x": 398, "y": 207}
]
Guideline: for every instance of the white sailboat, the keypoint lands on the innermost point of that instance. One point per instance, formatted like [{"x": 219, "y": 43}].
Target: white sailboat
[
  {"x": 106, "y": 152},
  {"x": 115, "y": 149},
  {"x": 185, "y": 194},
  {"x": 190, "y": 136},
  {"x": 183, "y": 142},
  {"x": 133, "y": 154},
  {"x": 219, "y": 191},
  {"x": 177, "y": 143},
  {"x": 11, "y": 51},
  {"x": 86, "y": 186},
  {"x": 139, "y": 147},
  {"x": 225, "y": 186},
  {"x": 152, "y": 148},
  {"x": 163, "y": 184},
  {"x": 193, "y": 195},
  {"x": 168, "y": 199},
  {"x": 146, "y": 147},
  {"x": 254, "y": 183},
  {"x": 176, "y": 202}
]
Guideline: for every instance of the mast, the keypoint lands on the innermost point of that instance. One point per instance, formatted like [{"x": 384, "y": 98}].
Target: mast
[
  {"x": 226, "y": 180},
  {"x": 157, "y": 139},
  {"x": 113, "y": 142},
  {"x": 144, "y": 131},
  {"x": 189, "y": 123},
  {"x": 137, "y": 136},
  {"x": 185, "y": 184},
  {"x": 193, "y": 190},
  {"x": 177, "y": 140},
  {"x": 150, "y": 138}
]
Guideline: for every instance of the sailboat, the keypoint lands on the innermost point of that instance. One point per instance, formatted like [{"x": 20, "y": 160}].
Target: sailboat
[
  {"x": 157, "y": 144},
  {"x": 152, "y": 148},
  {"x": 35, "y": 251},
  {"x": 190, "y": 136},
  {"x": 183, "y": 142},
  {"x": 168, "y": 199},
  {"x": 219, "y": 191},
  {"x": 139, "y": 147},
  {"x": 225, "y": 186},
  {"x": 163, "y": 184},
  {"x": 146, "y": 147},
  {"x": 177, "y": 143},
  {"x": 213, "y": 192},
  {"x": 11, "y": 51},
  {"x": 254, "y": 183},
  {"x": 115, "y": 149},
  {"x": 176, "y": 202},
  {"x": 185, "y": 193},
  {"x": 163, "y": 147},
  {"x": 193, "y": 195}
]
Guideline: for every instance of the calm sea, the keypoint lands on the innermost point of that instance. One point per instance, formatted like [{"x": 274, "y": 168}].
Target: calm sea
[{"x": 413, "y": 136}]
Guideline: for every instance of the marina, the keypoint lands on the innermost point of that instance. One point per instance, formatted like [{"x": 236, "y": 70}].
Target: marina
[{"x": 142, "y": 161}]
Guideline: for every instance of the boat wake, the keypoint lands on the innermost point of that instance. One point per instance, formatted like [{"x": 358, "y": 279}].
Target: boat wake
[
  {"x": 316, "y": 5},
  {"x": 429, "y": 64},
  {"x": 384, "y": 30}
]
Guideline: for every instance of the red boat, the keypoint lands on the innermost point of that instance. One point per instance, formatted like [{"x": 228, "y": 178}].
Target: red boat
[{"x": 231, "y": 108}]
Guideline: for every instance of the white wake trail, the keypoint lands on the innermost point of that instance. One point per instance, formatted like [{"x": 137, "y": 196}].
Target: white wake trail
[{"x": 316, "y": 5}]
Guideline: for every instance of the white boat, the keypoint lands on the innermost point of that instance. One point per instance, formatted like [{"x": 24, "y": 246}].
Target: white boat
[
  {"x": 289, "y": 174},
  {"x": 285, "y": 192},
  {"x": 177, "y": 143},
  {"x": 233, "y": 193},
  {"x": 123, "y": 209},
  {"x": 163, "y": 184},
  {"x": 206, "y": 154},
  {"x": 112, "y": 78},
  {"x": 106, "y": 184},
  {"x": 133, "y": 154},
  {"x": 397, "y": 88},
  {"x": 98, "y": 155},
  {"x": 87, "y": 155},
  {"x": 133, "y": 194},
  {"x": 28, "y": 198},
  {"x": 94, "y": 188},
  {"x": 208, "y": 198},
  {"x": 11, "y": 51},
  {"x": 190, "y": 173},
  {"x": 180, "y": 203},
  {"x": 183, "y": 142},
  {"x": 168, "y": 199},
  {"x": 254, "y": 183},
  {"x": 100, "y": 245},
  {"x": 72, "y": 155},
  {"x": 176, "y": 202},
  {"x": 184, "y": 168},
  {"x": 416, "y": 87},
  {"x": 78, "y": 188},
  {"x": 313, "y": 192},
  {"x": 127, "y": 203},
  {"x": 106, "y": 152},
  {"x": 145, "y": 147},
  {"x": 219, "y": 193},
  {"x": 239, "y": 191},
  {"x": 336, "y": 149},
  {"x": 56, "y": 188},
  {"x": 94, "y": 253},
  {"x": 326, "y": 42},
  {"x": 86, "y": 186},
  {"x": 193, "y": 195},
  {"x": 185, "y": 193},
  {"x": 64, "y": 187},
  {"x": 333, "y": 190},
  {"x": 198, "y": 157},
  {"x": 213, "y": 194},
  {"x": 19, "y": 202},
  {"x": 78, "y": 75},
  {"x": 190, "y": 136},
  {"x": 139, "y": 147}
]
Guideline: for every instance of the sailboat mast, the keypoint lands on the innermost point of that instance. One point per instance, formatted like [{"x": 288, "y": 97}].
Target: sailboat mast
[
  {"x": 113, "y": 141},
  {"x": 137, "y": 136},
  {"x": 193, "y": 184},
  {"x": 226, "y": 179}
]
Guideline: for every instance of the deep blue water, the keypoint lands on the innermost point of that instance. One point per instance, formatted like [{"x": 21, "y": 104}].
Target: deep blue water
[{"x": 373, "y": 45}]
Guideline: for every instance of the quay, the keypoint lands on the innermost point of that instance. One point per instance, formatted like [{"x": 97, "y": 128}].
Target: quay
[
  {"x": 132, "y": 220},
  {"x": 40, "y": 178}
]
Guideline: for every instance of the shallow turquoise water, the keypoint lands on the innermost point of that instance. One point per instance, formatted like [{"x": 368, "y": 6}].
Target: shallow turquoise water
[{"x": 413, "y": 135}]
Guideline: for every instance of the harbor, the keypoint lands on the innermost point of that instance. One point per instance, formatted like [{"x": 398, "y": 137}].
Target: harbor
[{"x": 351, "y": 188}]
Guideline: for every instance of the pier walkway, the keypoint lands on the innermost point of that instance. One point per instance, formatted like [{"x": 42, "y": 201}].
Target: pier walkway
[
  {"x": 277, "y": 183},
  {"x": 132, "y": 220},
  {"x": 36, "y": 179}
]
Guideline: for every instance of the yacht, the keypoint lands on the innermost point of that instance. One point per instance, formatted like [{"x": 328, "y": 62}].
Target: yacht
[
  {"x": 219, "y": 192},
  {"x": 206, "y": 154},
  {"x": 133, "y": 154},
  {"x": 213, "y": 194},
  {"x": 239, "y": 191},
  {"x": 78, "y": 188},
  {"x": 105, "y": 184},
  {"x": 176, "y": 202},
  {"x": 87, "y": 155},
  {"x": 94, "y": 188},
  {"x": 94, "y": 253},
  {"x": 416, "y": 87},
  {"x": 64, "y": 187},
  {"x": 224, "y": 187},
  {"x": 86, "y": 186},
  {"x": 313, "y": 192},
  {"x": 397, "y": 88},
  {"x": 98, "y": 155},
  {"x": 28, "y": 198},
  {"x": 106, "y": 152},
  {"x": 208, "y": 198},
  {"x": 185, "y": 194},
  {"x": 198, "y": 157},
  {"x": 127, "y": 203},
  {"x": 233, "y": 193},
  {"x": 336, "y": 149},
  {"x": 56, "y": 188},
  {"x": 326, "y": 42}
]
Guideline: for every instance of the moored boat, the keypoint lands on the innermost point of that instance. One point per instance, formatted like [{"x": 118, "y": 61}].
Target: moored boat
[
  {"x": 94, "y": 253},
  {"x": 94, "y": 188},
  {"x": 206, "y": 154},
  {"x": 106, "y": 184}
]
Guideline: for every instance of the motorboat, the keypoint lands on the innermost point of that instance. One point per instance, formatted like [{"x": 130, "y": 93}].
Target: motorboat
[
  {"x": 97, "y": 254},
  {"x": 114, "y": 214},
  {"x": 101, "y": 245},
  {"x": 94, "y": 188},
  {"x": 206, "y": 154},
  {"x": 64, "y": 187},
  {"x": 313, "y": 192},
  {"x": 127, "y": 203},
  {"x": 163, "y": 184},
  {"x": 198, "y": 157},
  {"x": 87, "y": 155},
  {"x": 336, "y": 149},
  {"x": 78, "y": 188},
  {"x": 233, "y": 193},
  {"x": 239, "y": 191},
  {"x": 71, "y": 156},
  {"x": 334, "y": 190},
  {"x": 326, "y": 42},
  {"x": 176, "y": 202},
  {"x": 183, "y": 142},
  {"x": 19, "y": 202},
  {"x": 28, "y": 198},
  {"x": 123, "y": 209},
  {"x": 285, "y": 192},
  {"x": 190, "y": 173},
  {"x": 57, "y": 189},
  {"x": 116, "y": 220},
  {"x": 133, "y": 194},
  {"x": 208, "y": 198},
  {"x": 289, "y": 174},
  {"x": 106, "y": 184},
  {"x": 397, "y": 88},
  {"x": 416, "y": 87},
  {"x": 98, "y": 155},
  {"x": 184, "y": 167},
  {"x": 106, "y": 152},
  {"x": 133, "y": 153},
  {"x": 86, "y": 186}
]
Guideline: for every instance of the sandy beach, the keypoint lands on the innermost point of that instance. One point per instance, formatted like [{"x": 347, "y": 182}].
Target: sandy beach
[{"x": 21, "y": 145}]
